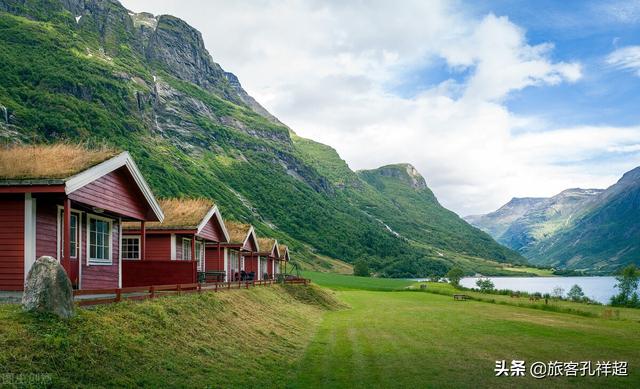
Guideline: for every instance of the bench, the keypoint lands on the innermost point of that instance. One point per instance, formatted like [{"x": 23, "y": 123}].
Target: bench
[
  {"x": 460, "y": 297},
  {"x": 211, "y": 276}
]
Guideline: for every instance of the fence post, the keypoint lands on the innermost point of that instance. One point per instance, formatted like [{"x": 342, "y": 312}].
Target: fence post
[
  {"x": 215, "y": 288},
  {"x": 118, "y": 295},
  {"x": 152, "y": 291},
  {"x": 178, "y": 289},
  {"x": 199, "y": 287}
]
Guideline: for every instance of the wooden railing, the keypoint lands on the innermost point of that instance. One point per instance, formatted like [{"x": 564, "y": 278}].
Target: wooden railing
[{"x": 86, "y": 297}]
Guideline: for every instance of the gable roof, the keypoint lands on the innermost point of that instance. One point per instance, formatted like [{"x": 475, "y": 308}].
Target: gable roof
[
  {"x": 269, "y": 245},
  {"x": 70, "y": 166},
  {"x": 284, "y": 251},
  {"x": 240, "y": 233},
  {"x": 185, "y": 214}
]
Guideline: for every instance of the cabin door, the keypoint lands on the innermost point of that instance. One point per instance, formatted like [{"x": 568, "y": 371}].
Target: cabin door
[{"x": 74, "y": 272}]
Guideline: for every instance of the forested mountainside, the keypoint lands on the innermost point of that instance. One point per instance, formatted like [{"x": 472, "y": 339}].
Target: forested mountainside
[
  {"x": 591, "y": 230},
  {"x": 92, "y": 71}
]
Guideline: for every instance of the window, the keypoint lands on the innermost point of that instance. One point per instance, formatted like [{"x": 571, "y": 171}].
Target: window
[
  {"x": 200, "y": 255},
  {"x": 234, "y": 264},
  {"x": 186, "y": 249},
  {"x": 75, "y": 233},
  {"x": 99, "y": 240},
  {"x": 130, "y": 247}
]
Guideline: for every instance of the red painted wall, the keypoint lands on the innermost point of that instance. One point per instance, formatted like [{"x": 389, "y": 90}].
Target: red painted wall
[
  {"x": 115, "y": 192},
  {"x": 46, "y": 227},
  {"x": 147, "y": 273},
  {"x": 11, "y": 242},
  {"x": 251, "y": 264},
  {"x": 158, "y": 247},
  {"x": 212, "y": 231},
  {"x": 100, "y": 276},
  {"x": 214, "y": 260}
]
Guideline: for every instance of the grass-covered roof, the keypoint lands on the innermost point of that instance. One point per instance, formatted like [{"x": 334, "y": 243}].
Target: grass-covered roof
[
  {"x": 237, "y": 231},
  {"x": 266, "y": 244},
  {"x": 178, "y": 214},
  {"x": 56, "y": 161}
]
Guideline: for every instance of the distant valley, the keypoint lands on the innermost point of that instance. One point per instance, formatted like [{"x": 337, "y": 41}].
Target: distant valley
[{"x": 592, "y": 230}]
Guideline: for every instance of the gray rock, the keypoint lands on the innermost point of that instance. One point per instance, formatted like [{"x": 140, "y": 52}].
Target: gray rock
[{"x": 48, "y": 289}]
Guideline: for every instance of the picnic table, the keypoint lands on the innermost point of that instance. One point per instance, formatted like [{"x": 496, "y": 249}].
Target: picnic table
[
  {"x": 460, "y": 297},
  {"x": 211, "y": 276}
]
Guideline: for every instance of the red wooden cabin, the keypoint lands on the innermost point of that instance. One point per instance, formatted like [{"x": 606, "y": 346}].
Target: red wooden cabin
[
  {"x": 281, "y": 264},
  {"x": 236, "y": 256},
  {"x": 172, "y": 252},
  {"x": 69, "y": 203},
  {"x": 269, "y": 255}
]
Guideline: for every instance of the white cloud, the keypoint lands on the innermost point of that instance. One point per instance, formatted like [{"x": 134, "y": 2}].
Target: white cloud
[
  {"x": 324, "y": 69},
  {"x": 626, "y": 58}
]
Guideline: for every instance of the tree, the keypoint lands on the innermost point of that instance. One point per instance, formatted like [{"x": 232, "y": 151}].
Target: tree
[
  {"x": 558, "y": 292},
  {"x": 434, "y": 278},
  {"x": 575, "y": 293},
  {"x": 454, "y": 276},
  {"x": 628, "y": 286},
  {"x": 361, "y": 268},
  {"x": 485, "y": 285}
]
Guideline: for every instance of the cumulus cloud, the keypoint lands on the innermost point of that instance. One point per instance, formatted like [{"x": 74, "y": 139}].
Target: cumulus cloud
[
  {"x": 325, "y": 68},
  {"x": 626, "y": 58}
]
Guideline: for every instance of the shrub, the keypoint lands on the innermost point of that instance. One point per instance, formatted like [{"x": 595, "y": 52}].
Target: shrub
[
  {"x": 454, "y": 276},
  {"x": 361, "y": 268}
]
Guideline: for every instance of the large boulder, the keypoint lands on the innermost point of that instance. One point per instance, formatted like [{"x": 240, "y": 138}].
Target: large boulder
[{"x": 48, "y": 289}]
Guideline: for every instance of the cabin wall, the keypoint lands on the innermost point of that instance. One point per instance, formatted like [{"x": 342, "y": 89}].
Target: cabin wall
[
  {"x": 101, "y": 276},
  {"x": 115, "y": 192},
  {"x": 212, "y": 231},
  {"x": 147, "y": 273},
  {"x": 251, "y": 265},
  {"x": 11, "y": 242},
  {"x": 214, "y": 258},
  {"x": 158, "y": 247}
]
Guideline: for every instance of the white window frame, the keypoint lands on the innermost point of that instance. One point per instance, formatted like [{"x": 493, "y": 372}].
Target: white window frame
[
  {"x": 188, "y": 251},
  {"x": 136, "y": 237},
  {"x": 200, "y": 254},
  {"x": 60, "y": 232},
  {"x": 99, "y": 261}
]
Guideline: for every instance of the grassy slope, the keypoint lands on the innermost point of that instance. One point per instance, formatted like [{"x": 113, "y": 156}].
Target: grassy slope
[
  {"x": 427, "y": 340},
  {"x": 230, "y": 339},
  {"x": 415, "y": 214}
]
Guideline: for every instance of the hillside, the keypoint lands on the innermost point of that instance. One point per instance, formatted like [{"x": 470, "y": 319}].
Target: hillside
[
  {"x": 203, "y": 340},
  {"x": 92, "y": 71},
  {"x": 580, "y": 229}
]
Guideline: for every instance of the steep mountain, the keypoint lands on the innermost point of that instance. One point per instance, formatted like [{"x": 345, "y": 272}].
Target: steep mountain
[
  {"x": 92, "y": 71},
  {"x": 581, "y": 229},
  {"x": 604, "y": 238},
  {"x": 498, "y": 222}
]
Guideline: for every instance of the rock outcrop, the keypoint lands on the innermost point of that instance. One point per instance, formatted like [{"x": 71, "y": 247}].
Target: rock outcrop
[{"x": 48, "y": 289}]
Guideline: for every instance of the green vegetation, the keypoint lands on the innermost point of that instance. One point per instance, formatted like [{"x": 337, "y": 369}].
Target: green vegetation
[
  {"x": 428, "y": 340},
  {"x": 245, "y": 338},
  {"x": 575, "y": 293},
  {"x": 628, "y": 279},
  {"x": 361, "y": 268},
  {"x": 454, "y": 276},
  {"x": 346, "y": 282}
]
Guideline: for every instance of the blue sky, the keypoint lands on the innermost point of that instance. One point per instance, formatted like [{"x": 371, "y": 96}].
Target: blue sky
[{"x": 488, "y": 100}]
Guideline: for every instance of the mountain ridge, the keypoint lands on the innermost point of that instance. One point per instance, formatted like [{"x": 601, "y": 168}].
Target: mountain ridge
[{"x": 592, "y": 230}]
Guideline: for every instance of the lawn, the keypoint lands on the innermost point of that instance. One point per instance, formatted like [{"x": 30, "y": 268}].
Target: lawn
[
  {"x": 237, "y": 338},
  {"x": 347, "y": 282},
  {"x": 414, "y": 339}
]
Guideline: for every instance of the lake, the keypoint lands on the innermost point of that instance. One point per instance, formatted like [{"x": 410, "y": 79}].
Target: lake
[{"x": 596, "y": 288}]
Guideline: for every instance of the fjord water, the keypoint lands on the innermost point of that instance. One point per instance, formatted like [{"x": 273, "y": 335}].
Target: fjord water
[{"x": 596, "y": 288}]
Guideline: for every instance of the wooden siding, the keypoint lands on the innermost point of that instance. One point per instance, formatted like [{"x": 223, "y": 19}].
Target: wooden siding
[
  {"x": 115, "y": 192},
  {"x": 47, "y": 227},
  {"x": 11, "y": 242},
  {"x": 251, "y": 264},
  {"x": 101, "y": 276},
  {"x": 158, "y": 247},
  {"x": 250, "y": 245},
  {"x": 212, "y": 231},
  {"x": 146, "y": 273},
  {"x": 214, "y": 261}
]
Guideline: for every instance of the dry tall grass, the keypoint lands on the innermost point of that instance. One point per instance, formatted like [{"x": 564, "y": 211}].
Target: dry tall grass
[
  {"x": 237, "y": 231},
  {"x": 182, "y": 213},
  {"x": 49, "y": 161}
]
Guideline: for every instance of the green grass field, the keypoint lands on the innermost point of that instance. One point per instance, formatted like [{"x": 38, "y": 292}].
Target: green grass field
[
  {"x": 346, "y": 282},
  {"x": 414, "y": 339}
]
